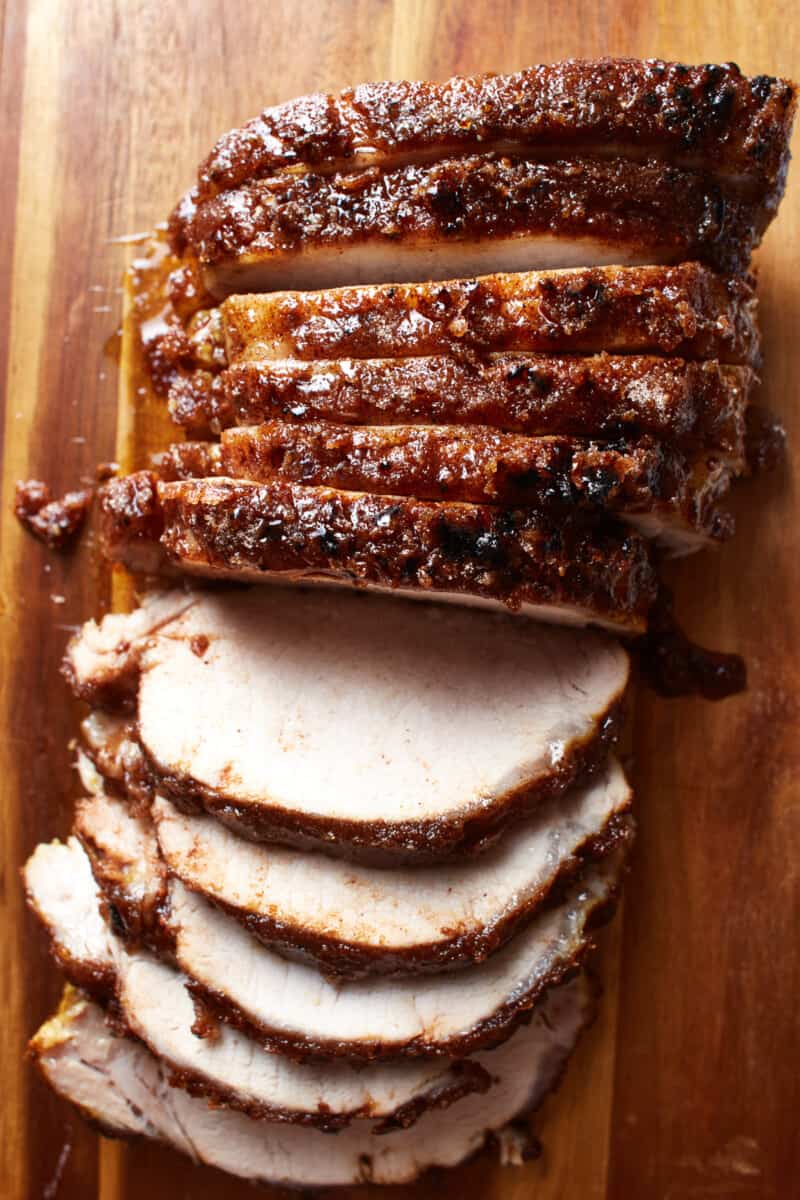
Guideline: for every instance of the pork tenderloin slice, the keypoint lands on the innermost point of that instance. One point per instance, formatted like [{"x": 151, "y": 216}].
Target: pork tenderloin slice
[
  {"x": 513, "y": 559},
  {"x": 697, "y": 406},
  {"x": 151, "y": 1000},
  {"x": 685, "y": 310},
  {"x": 709, "y": 116},
  {"x": 677, "y": 498},
  {"x": 466, "y": 216},
  {"x": 355, "y": 920},
  {"x": 290, "y": 1007},
  {"x": 125, "y": 1090},
  {"x": 373, "y": 726}
]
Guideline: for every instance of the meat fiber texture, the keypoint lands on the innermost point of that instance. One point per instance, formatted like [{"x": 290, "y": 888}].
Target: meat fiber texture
[
  {"x": 121, "y": 1087},
  {"x": 239, "y": 709},
  {"x": 290, "y": 1008},
  {"x": 348, "y": 918}
]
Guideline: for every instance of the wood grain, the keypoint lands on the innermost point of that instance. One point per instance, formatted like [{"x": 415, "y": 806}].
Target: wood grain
[{"x": 688, "y": 1086}]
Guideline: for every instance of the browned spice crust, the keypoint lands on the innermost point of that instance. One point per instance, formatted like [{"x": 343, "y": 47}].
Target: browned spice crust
[
  {"x": 475, "y": 464},
  {"x": 683, "y": 310},
  {"x": 511, "y": 555},
  {"x": 655, "y": 211},
  {"x": 710, "y": 113},
  {"x": 55, "y": 522},
  {"x": 697, "y": 406},
  {"x": 505, "y": 555}
]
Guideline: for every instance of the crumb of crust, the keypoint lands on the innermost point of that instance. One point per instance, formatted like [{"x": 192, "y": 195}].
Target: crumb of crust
[
  {"x": 55, "y": 522},
  {"x": 105, "y": 471}
]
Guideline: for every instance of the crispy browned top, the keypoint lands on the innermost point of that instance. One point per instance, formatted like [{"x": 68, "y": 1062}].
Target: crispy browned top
[
  {"x": 684, "y": 310},
  {"x": 512, "y": 555},
  {"x": 696, "y": 405},
  {"x": 465, "y": 463},
  {"x": 710, "y": 113},
  {"x": 655, "y": 211}
]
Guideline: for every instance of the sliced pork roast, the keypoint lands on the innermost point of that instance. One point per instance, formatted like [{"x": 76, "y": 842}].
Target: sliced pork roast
[
  {"x": 124, "y": 1089},
  {"x": 707, "y": 116},
  {"x": 520, "y": 560},
  {"x": 393, "y": 729},
  {"x": 466, "y": 216},
  {"x": 351, "y": 919},
  {"x": 594, "y": 162},
  {"x": 645, "y": 483},
  {"x": 290, "y": 1007},
  {"x": 151, "y": 1000},
  {"x": 699, "y": 407},
  {"x": 684, "y": 310}
]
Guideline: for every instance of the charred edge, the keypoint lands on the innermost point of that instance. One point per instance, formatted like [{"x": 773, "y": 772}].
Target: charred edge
[{"x": 402, "y": 841}]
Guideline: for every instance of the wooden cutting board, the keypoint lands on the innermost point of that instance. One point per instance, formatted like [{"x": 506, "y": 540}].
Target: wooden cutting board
[{"x": 688, "y": 1086}]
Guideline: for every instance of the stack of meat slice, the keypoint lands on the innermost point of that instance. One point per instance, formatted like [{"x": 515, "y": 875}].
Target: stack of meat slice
[
  {"x": 339, "y": 859},
  {"x": 335, "y": 867}
]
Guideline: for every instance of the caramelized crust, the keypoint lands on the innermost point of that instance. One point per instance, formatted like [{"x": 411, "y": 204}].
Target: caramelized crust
[
  {"x": 638, "y": 212},
  {"x": 685, "y": 310},
  {"x": 467, "y": 463},
  {"x": 504, "y": 555},
  {"x": 711, "y": 114},
  {"x": 699, "y": 406}
]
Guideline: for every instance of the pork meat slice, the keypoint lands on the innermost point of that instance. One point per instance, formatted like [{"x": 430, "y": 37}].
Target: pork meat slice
[
  {"x": 117, "y": 1084},
  {"x": 151, "y": 1001},
  {"x": 360, "y": 725},
  {"x": 709, "y": 116},
  {"x": 698, "y": 407},
  {"x": 521, "y": 560},
  {"x": 352, "y": 919},
  {"x": 466, "y": 216},
  {"x": 291, "y": 1008},
  {"x": 99, "y": 666},
  {"x": 648, "y": 484},
  {"x": 685, "y": 310}
]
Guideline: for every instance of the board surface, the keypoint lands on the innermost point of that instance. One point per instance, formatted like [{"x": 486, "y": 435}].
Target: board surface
[{"x": 688, "y": 1086}]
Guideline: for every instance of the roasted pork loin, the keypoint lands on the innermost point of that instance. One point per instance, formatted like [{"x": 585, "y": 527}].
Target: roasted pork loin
[
  {"x": 683, "y": 310},
  {"x": 644, "y": 482},
  {"x": 349, "y": 918},
  {"x": 353, "y": 737},
  {"x": 291, "y": 1008},
  {"x": 122, "y": 1088},
  {"x": 466, "y": 216},
  {"x": 521, "y": 560},
  {"x": 151, "y": 1000},
  {"x": 698, "y": 407}
]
